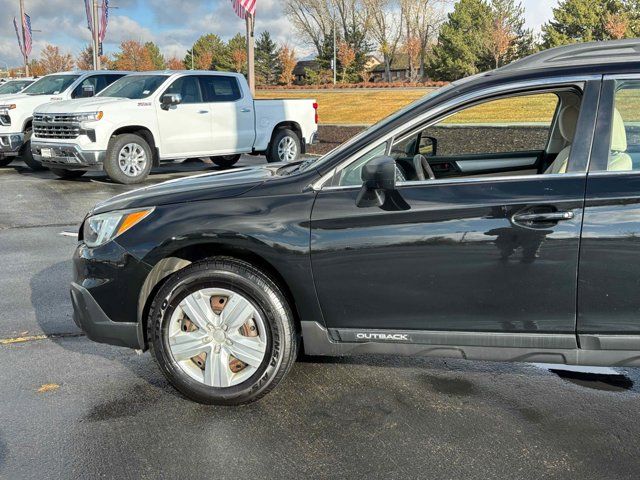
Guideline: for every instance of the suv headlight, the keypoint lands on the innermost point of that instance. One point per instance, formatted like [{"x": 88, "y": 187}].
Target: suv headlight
[
  {"x": 104, "y": 227},
  {"x": 88, "y": 117}
]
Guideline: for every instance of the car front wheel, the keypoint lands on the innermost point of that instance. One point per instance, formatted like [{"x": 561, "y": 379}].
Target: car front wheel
[
  {"x": 128, "y": 159},
  {"x": 222, "y": 332}
]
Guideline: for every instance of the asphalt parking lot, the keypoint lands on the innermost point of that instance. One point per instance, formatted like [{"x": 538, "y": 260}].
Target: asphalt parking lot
[{"x": 70, "y": 408}]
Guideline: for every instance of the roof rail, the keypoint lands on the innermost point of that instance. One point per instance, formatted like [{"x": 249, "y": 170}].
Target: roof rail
[{"x": 589, "y": 53}]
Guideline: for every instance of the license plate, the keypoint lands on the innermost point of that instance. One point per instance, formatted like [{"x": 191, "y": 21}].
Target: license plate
[{"x": 46, "y": 153}]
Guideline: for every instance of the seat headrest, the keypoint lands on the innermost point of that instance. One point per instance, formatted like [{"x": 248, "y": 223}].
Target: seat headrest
[
  {"x": 618, "y": 133},
  {"x": 567, "y": 121}
]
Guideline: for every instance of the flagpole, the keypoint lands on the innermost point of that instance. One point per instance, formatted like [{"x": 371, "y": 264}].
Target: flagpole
[
  {"x": 251, "y": 77},
  {"x": 24, "y": 53},
  {"x": 95, "y": 17}
]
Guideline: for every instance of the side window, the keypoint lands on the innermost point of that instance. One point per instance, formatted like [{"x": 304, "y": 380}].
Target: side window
[
  {"x": 624, "y": 142},
  {"x": 352, "y": 174},
  {"x": 220, "y": 88},
  {"x": 188, "y": 87}
]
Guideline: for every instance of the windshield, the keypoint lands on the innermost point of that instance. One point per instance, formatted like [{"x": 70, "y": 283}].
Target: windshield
[
  {"x": 14, "y": 87},
  {"x": 314, "y": 162},
  {"x": 134, "y": 86},
  {"x": 51, "y": 85}
]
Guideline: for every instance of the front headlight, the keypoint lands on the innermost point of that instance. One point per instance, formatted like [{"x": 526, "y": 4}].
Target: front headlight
[
  {"x": 88, "y": 117},
  {"x": 4, "y": 109},
  {"x": 102, "y": 228}
]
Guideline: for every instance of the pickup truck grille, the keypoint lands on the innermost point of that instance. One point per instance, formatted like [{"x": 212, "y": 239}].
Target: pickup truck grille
[{"x": 55, "y": 126}]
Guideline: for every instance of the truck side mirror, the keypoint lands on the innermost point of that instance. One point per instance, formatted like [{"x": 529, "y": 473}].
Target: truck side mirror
[
  {"x": 378, "y": 179},
  {"x": 170, "y": 99},
  {"x": 88, "y": 91}
]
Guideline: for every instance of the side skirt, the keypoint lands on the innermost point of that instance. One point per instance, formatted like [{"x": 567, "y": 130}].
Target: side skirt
[{"x": 502, "y": 347}]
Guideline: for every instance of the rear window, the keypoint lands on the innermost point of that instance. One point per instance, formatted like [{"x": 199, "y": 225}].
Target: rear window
[{"x": 220, "y": 88}]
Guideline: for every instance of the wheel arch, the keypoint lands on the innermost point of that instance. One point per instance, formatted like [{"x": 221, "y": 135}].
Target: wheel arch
[
  {"x": 184, "y": 257},
  {"x": 143, "y": 132}
]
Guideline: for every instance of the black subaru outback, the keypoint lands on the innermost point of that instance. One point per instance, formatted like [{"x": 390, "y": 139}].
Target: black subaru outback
[{"x": 497, "y": 218}]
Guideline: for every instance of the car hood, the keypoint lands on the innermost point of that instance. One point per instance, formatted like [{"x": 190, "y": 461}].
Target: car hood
[
  {"x": 80, "y": 105},
  {"x": 207, "y": 186}
]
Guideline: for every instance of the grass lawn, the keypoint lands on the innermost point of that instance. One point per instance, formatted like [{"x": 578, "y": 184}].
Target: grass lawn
[{"x": 369, "y": 106}]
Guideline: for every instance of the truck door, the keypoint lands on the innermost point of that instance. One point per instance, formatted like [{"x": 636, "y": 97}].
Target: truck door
[
  {"x": 185, "y": 129},
  {"x": 233, "y": 116}
]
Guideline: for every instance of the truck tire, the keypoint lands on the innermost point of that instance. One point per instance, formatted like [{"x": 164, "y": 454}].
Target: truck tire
[
  {"x": 26, "y": 155},
  {"x": 129, "y": 159},
  {"x": 229, "y": 359},
  {"x": 4, "y": 161},
  {"x": 225, "y": 161},
  {"x": 67, "y": 174},
  {"x": 284, "y": 147}
]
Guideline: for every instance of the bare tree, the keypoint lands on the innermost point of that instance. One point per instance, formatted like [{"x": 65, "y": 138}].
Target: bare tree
[
  {"x": 501, "y": 39},
  {"x": 385, "y": 26},
  {"x": 422, "y": 20}
]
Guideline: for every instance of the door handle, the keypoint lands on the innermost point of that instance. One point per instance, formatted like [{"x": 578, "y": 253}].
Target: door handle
[
  {"x": 245, "y": 110},
  {"x": 203, "y": 111},
  {"x": 543, "y": 217}
]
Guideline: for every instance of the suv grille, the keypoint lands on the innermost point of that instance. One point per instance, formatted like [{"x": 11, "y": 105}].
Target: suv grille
[{"x": 55, "y": 126}]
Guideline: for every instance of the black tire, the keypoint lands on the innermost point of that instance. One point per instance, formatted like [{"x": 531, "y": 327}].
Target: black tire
[
  {"x": 26, "y": 155},
  {"x": 112, "y": 167},
  {"x": 280, "y": 135},
  {"x": 262, "y": 292},
  {"x": 225, "y": 161},
  {"x": 67, "y": 174},
  {"x": 4, "y": 161}
]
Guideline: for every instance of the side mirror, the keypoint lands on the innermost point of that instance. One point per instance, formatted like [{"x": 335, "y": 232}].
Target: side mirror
[
  {"x": 428, "y": 146},
  {"x": 170, "y": 99},
  {"x": 88, "y": 91},
  {"x": 378, "y": 179}
]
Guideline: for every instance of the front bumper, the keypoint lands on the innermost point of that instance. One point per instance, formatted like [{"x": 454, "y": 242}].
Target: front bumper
[
  {"x": 94, "y": 322},
  {"x": 67, "y": 155},
  {"x": 10, "y": 143}
]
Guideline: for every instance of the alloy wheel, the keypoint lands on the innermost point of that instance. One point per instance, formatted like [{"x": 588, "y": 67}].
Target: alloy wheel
[
  {"x": 287, "y": 149},
  {"x": 217, "y": 337},
  {"x": 132, "y": 159}
]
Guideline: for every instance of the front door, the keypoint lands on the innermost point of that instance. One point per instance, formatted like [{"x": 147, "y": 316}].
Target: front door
[
  {"x": 494, "y": 250},
  {"x": 185, "y": 129},
  {"x": 233, "y": 115}
]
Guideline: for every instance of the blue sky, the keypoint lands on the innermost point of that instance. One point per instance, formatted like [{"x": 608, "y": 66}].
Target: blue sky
[{"x": 173, "y": 24}]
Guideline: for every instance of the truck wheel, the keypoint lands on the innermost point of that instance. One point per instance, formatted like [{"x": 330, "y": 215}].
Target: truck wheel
[
  {"x": 26, "y": 155},
  {"x": 225, "y": 161},
  {"x": 285, "y": 146},
  {"x": 67, "y": 174},
  {"x": 4, "y": 161},
  {"x": 222, "y": 332},
  {"x": 128, "y": 159}
]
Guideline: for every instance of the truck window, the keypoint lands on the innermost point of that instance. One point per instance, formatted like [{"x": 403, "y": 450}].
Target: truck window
[
  {"x": 188, "y": 88},
  {"x": 220, "y": 88}
]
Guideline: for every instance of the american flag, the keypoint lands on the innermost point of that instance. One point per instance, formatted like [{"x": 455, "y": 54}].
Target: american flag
[
  {"x": 88, "y": 8},
  {"x": 28, "y": 38},
  {"x": 242, "y": 7},
  {"x": 104, "y": 19},
  {"x": 15, "y": 24}
]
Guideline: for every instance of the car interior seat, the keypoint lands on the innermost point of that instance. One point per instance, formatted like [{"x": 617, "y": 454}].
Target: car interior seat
[
  {"x": 567, "y": 121},
  {"x": 619, "y": 160}
]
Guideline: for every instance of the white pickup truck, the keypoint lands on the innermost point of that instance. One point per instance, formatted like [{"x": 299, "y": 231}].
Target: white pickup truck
[
  {"x": 148, "y": 117},
  {"x": 16, "y": 110}
]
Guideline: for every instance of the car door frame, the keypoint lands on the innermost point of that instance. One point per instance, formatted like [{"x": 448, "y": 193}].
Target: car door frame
[{"x": 482, "y": 345}]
